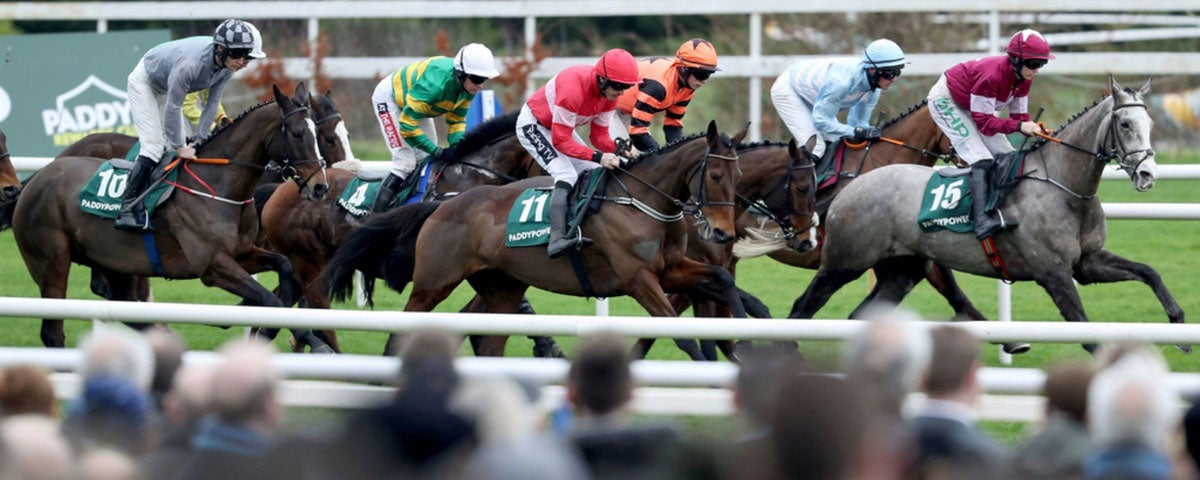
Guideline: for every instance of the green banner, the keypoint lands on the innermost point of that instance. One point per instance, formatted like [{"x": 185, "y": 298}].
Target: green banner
[{"x": 58, "y": 88}]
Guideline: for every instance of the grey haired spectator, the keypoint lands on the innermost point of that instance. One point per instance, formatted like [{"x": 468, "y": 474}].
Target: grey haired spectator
[
  {"x": 1058, "y": 449},
  {"x": 1132, "y": 415},
  {"x": 31, "y": 448},
  {"x": 115, "y": 350},
  {"x": 104, "y": 464},
  {"x": 889, "y": 356},
  {"x": 246, "y": 416},
  {"x": 111, "y": 413}
]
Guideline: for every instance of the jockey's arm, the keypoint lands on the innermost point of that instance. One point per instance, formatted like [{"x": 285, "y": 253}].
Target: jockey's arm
[
  {"x": 825, "y": 111},
  {"x": 410, "y": 126}
]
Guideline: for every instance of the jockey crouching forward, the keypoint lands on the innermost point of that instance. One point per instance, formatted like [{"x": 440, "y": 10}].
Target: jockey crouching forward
[
  {"x": 667, "y": 86},
  {"x": 811, "y": 93},
  {"x": 156, "y": 89},
  {"x": 964, "y": 103},
  {"x": 407, "y": 101},
  {"x": 578, "y": 95}
]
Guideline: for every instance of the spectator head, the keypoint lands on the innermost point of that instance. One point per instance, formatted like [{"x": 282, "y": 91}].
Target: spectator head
[
  {"x": 26, "y": 389},
  {"x": 168, "y": 351},
  {"x": 32, "y": 449},
  {"x": 104, "y": 464},
  {"x": 818, "y": 427},
  {"x": 760, "y": 376},
  {"x": 1131, "y": 402},
  {"x": 500, "y": 407},
  {"x": 600, "y": 381},
  {"x": 245, "y": 387},
  {"x": 117, "y": 351},
  {"x": 1107, "y": 355},
  {"x": 427, "y": 361},
  {"x": 190, "y": 397},
  {"x": 953, "y": 364},
  {"x": 889, "y": 357},
  {"x": 111, "y": 413},
  {"x": 1066, "y": 389}
]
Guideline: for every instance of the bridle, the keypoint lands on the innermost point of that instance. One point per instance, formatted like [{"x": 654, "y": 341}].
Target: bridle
[
  {"x": 288, "y": 170},
  {"x": 782, "y": 216},
  {"x": 1110, "y": 148},
  {"x": 690, "y": 206}
]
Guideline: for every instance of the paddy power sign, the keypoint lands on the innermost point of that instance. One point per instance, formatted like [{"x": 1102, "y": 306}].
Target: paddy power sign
[{"x": 57, "y": 88}]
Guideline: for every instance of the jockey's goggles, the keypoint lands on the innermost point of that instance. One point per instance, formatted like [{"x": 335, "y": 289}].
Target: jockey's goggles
[
  {"x": 620, "y": 87},
  {"x": 889, "y": 73},
  {"x": 476, "y": 79},
  {"x": 239, "y": 53},
  {"x": 1034, "y": 63},
  {"x": 700, "y": 74}
]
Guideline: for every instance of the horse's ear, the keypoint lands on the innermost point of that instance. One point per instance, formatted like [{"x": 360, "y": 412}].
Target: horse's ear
[
  {"x": 712, "y": 129},
  {"x": 280, "y": 98},
  {"x": 741, "y": 134},
  {"x": 792, "y": 149},
  {"x": 329, "y": 94},
  {"x": 1114, "y": 86},
  {"x": 301, "y": 94},
  {"x": 1145, "y": 90}
]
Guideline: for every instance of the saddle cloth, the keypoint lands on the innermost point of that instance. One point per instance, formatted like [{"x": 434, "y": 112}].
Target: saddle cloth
[
  {"x": 104, "y": 191},
  {"x": 528, "y": 222}
]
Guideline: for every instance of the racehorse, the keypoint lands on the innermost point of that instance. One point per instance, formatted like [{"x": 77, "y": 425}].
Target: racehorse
[
  {"x": 872, "y": 223},
  {"x": 913, "y": 138},
  {"x": 308, "y": 234},
  {"x": 638, "y": 233},
  {"x": 10, "y": 184},
  {"x": 781, "y": 179},
  {"x": 205, "y": 232}
]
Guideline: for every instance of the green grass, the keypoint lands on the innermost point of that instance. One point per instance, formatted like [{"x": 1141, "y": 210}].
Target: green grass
[{"x": 1171, "y": 247}]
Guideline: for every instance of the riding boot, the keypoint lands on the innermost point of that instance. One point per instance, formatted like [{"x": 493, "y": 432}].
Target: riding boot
[
  {"x": 387, "y": 191},
  {"x": 985, "y": 223},
  {"x": 561, "y": 238},
  {"x": 133, "y": 216}
]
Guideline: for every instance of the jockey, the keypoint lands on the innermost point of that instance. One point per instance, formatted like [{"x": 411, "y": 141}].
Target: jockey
[
  {"x": 578, "y": 95},
  {"x": 667, "y": 85},
  {"x": 156, "y": 90},
  {"x": 965, "y": 99},
  {"x": 407, "y": 101},
  {"x": 810, "y": 94},
  {"x": 192, "y": 105}
]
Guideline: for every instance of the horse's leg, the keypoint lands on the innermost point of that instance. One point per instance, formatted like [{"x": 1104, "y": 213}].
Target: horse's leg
[
  {"x": 823, "y": 285},
  {"x": 51, "y": 276},
  {"x": 680, "y": 303},
  {"x": 942, "y": 279},
  {"x": 645, "y": 288},
  {"x": 225, "y": 273},
  {"x": 544, "y": 346},
  {"x": 99, "y": 285},
  {"x": 420, "y": 300},
  {"x": 896, "y": 277},
  {"x": 314, "y": 297},
  {"x": 260, "y": 260},
  {"x": 1107, "y": 267},
  {"x": 707, "y": 284},
  {"x": 1062, "y": 291},
  {"x": 500, "y": 293}
]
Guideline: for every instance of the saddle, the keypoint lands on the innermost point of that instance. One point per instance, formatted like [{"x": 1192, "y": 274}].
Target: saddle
[{"x": 587, "y": 196}]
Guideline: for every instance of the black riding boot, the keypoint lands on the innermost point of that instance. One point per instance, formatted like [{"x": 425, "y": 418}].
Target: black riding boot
[
  {"x": 985, "y": 223},
  {"x": 561, "y": 239},
  {"x": 133, "y": 216},
  {"x": 387, "y": 191}
]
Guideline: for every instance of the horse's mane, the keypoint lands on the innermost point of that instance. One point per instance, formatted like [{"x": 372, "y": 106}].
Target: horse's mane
[
  {"x": 908, "y": 112},
  {"x": 667, "y": 148},
  {"x": 229, "y": 125},
  {"x": 1041, "y": 142},
  {"x": 759, "y": 144},
  {"x": 487, "y": 132}
]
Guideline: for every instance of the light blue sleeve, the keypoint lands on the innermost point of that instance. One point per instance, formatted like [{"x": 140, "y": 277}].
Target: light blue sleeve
[
  {"x": 829, "y": 103},
  {"x": 860, "y": 113}
]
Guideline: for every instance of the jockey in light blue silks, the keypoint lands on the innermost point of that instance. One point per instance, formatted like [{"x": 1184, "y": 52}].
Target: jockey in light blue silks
[{"x": 810, "y": 94}]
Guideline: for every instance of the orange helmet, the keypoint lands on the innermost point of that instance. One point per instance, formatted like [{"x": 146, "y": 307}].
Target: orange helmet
[{"x": 697, "y": 53}]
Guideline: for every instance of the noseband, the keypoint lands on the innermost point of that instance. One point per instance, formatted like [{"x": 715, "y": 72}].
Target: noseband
[{"x": 289, "y": 166}]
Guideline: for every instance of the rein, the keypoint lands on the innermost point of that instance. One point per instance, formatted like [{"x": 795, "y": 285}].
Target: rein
[
  {"x": 945, "y": 157},
  {"x": 1117, "y": 153},
  {"x": 691, "y": 207}
]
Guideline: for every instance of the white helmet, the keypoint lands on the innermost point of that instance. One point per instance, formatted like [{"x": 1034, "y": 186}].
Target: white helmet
[
  {"x": 238, "y": 34},
  {"x": 476, "y": 59}
]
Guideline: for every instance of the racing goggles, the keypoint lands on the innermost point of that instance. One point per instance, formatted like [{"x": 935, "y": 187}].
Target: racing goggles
[
  {"x": 240, "y": 53},
  {"x": 1034, "y": 63},
  {"x": 889, "y": 73}
]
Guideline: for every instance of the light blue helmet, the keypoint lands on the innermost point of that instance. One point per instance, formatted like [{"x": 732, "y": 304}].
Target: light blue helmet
[{"x": 883, "y": 53}]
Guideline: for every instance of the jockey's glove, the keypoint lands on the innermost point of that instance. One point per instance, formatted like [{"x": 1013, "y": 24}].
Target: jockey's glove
[{"x": 867, "y": 133}]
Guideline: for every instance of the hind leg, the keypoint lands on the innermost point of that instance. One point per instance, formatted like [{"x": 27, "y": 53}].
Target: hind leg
[
  {"x": 51, "y": 276},
  {"x": 1107, "y": 267},
  {"x": 420, "y": 300},
  {"x": 500, "y": 293},
  {"x": 823, "y": 285},
  {"x": 942, "y": 279},
  {"x": 896, "y": 278},
  {"x": 1062, "y": 291}
]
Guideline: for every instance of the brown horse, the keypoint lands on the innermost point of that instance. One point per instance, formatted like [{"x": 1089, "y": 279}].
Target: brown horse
[
  {"x": 308, "y": 234},
  {"x": 639, "y": 233},
  {"x": 10, "y": 184},
  {"x": 920, "y": 142},
  {"x": 781, "y": 179},
  {"x": 205, "y": 232},
  {"x": 332, "y": 141}
]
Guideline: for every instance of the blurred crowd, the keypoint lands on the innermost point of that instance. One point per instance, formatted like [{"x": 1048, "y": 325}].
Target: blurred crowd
[{"x": 904, "y": 407}]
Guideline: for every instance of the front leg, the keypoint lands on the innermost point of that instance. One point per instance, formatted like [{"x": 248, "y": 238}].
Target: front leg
[
  {"x": 645, "y": 288},
  {"x": 1107, "y": 267},
  {"x": 1065, "y": 296},
  {"x": 260, "y": 260},
  {"x": 709, "y": 281}
]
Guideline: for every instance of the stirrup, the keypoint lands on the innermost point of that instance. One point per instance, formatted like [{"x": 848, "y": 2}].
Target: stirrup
[{"x": 140, "y": 221}]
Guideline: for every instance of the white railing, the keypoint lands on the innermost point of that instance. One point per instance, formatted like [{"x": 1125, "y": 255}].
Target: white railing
[{"x": 755, "y": 66}]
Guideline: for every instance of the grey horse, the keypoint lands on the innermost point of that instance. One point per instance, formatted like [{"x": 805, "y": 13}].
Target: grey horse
[{"x": 873, "y": 222}]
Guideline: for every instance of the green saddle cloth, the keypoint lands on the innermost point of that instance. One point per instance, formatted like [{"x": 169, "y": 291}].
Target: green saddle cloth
[
  {"x": 359, "y": 196},
  {"x": 946, "y": 205},
  {"x": 103, "y": 193},
  {"x": 528, "y": 222}
]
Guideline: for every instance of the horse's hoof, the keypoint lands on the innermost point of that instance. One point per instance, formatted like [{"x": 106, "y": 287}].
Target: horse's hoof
[
  {"x": 323, "y": 349},
  {"x": 1015, "y": 348},
  {"x": 1185, "y": 349}
]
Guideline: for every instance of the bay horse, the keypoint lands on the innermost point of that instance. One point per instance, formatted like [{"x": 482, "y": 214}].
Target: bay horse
[
  {"x": 872, "y": 223},
  {"x": 781, "y": 180},
  {"x": 639, "y": 236},
  {"x": 205, "y": 232},
  {"x": 10, "y": 184}
]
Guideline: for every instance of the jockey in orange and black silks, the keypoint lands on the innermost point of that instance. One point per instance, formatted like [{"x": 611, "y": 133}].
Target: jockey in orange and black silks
[{"x": 668, "y": 84}]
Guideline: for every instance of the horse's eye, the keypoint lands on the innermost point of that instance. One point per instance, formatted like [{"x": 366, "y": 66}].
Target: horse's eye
[
  {"x": 714, "y": 176},
  {"x": 1125, "y": 124}
]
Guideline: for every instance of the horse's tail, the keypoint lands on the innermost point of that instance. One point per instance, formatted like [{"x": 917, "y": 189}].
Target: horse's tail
[
  {"x": 9, "y": 203},
  {"x": 384, "y": 246},
  {"x": 262, "y": 193},
  {"x": 756, "y": 242}
]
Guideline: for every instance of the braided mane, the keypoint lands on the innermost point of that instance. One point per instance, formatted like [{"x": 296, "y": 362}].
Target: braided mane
[
  {"x": 225, "y": 127},
  {"x": 1041, "y": 142},
  {"x": 760, "y": 144},
  {"x": 906, "y": 113},
  {"x": 668, "y": 148},
  {"x": 484, "y": 134}
]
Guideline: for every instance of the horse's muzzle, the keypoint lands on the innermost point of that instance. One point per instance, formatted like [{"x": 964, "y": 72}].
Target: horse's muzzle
[
  {"x": 9, "y": 192},
  {"x": 719, "y": 236},
  {"x": 1145, "y": 174}
]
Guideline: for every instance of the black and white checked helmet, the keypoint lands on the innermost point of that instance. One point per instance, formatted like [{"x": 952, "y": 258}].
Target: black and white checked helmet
[{"x": 238, "y": 34}]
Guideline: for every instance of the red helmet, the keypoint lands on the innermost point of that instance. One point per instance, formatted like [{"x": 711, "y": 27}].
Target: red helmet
[
  {"x": 618, "y": 66},
  {"x": 1029, "y": 43}
]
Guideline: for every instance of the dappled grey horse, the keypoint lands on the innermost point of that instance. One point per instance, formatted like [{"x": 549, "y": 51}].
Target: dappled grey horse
[{"x": 873, "y": 222}]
